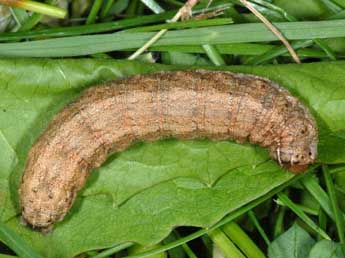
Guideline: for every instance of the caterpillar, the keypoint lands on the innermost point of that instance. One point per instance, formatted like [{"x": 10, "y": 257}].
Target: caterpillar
[{"x": 184, "y": 105}]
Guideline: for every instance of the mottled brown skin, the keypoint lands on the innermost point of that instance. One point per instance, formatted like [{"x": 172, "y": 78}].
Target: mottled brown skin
[{"x": 183, "y": 105}]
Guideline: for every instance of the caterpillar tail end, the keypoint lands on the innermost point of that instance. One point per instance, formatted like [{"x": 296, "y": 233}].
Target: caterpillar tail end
[{"x": 44, "y": 230}]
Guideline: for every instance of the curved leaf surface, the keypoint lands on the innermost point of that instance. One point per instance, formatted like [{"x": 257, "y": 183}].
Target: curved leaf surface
[{"x": 139, "y": 195}]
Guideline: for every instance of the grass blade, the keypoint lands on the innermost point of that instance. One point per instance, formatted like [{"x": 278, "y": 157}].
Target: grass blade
[
  {"x": 189, "y": 252},
  {"x": 16, "y": 243},
  {"x": 303, "y": 208},
  {"x": 259, "y": 228},
  {"x": 290, "y": 18},
  {"x": 333, "y": 7},
  {"x": 184, "y": 24},
  {"x": 277, "y": 51},
  {"x": 337, "y": 169},
  {"x": 339, "y": 222},
  {"x": 326, "y": 49},
  {"x": 319, "y": 194},
  {"x": 213, "y": 55},
  {"x": 113, "y": 250},
  {"x": 96, "y": 6},
  {"x": 225, "y": 244},
  {"x": 279, "y": 222},
  {"x": 322, "y": 222},
  {"x": 238, "y": 33},
  {"x": 86, "y": 29},
  {"x": 106, "y": 8},
  {"x": 242, "y": 240},
  {"x": 286, "y": 200},
  {"x": 246, "y": 49}
]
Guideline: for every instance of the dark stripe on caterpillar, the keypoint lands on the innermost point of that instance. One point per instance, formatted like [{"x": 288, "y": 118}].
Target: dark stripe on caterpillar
[{"x": 184, "y": 105}]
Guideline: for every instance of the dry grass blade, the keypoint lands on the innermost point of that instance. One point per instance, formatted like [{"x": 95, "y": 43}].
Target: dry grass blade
[{"x": 273, "y": 29}]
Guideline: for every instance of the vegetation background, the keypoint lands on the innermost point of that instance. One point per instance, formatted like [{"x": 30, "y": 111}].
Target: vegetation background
[{"x": 177, "y": 198}]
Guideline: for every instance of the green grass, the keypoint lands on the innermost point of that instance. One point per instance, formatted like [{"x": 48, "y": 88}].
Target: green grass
[
  {"x": 17, "y": 244},
  {"x": 241, "y": 33}
]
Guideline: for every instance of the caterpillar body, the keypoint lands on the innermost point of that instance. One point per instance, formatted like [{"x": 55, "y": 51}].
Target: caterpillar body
[{"x": 183, "y": 105}]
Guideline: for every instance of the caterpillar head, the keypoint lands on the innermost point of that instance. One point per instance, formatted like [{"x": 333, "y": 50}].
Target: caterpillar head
[{"x": 297, "y": 147}]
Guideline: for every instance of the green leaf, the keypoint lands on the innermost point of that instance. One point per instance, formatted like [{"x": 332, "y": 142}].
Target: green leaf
[
  {"x": 141, "y": 194},
  {"x": 331, "y": 140},
  {"x": 8, "y": 161},
  {"x": 294, "y": 243},
  {"x": 327, "y": 249}
]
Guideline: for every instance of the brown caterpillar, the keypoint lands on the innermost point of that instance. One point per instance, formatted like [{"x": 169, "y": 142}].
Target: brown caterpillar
[{"x": 184, "y": 105}]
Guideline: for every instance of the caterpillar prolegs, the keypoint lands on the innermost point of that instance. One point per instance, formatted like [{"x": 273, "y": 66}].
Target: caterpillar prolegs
[{"x": 184, "y": 105}]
